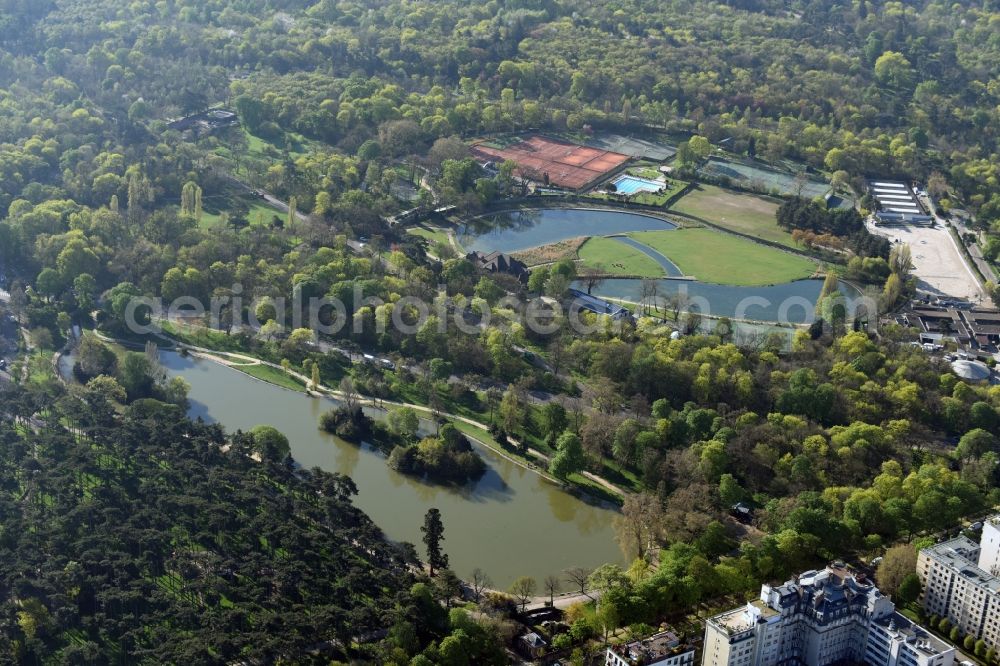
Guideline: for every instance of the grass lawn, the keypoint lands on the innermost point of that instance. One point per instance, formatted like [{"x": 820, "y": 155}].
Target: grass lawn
[
  {"x": 488, "y": 440},
  {"x": 650, "y": 172},
  {"x": 202, "y": 336},
  {"x": 261, "y": 150},
  {"x": 272, "y": 375},
  {"x": 260, "y": 212},
  {"x": 432, "y": 234},
  {"x": 405, "y": 171},
  {"x": 745, "y": 213},
  {"x": 576, "y": 481},
  {"x": 40, "y": 369},
  {"x": 712, "y": 256},
  {"x": 267, "y": 149},
  {"x": 611, "y": 256}
]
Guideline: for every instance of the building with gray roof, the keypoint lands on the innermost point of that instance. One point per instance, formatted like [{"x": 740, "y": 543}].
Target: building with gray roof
[{"x": 821, "y": 618}]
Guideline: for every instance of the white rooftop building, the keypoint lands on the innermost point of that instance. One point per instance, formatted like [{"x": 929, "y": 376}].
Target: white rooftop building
[
  {"x": 822, "y": 618},
  {"x": 898, "y": 203},
  {"x": 989, "y": 547}
]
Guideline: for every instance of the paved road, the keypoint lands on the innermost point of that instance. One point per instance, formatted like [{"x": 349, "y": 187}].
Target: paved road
[
  {"x": 974, "y": 250},
  {"x": 281, "y": 205},
  {"x": 563, "y": 601}
]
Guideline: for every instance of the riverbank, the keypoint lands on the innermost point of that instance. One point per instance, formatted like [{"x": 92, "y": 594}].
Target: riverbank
[
  {"x": 585, "y": 485},
  {"x": 510, "y": 522}
]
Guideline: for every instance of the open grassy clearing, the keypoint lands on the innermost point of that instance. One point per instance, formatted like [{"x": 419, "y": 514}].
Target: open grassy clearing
[
  {"x": 611, "y": 256},
  {"x": 273, "y": 149},
  {"x": 711, "y": 256},
  {"x": 407, "y": 173},
  {"x": 260, "y": 213},
  {"x": 40, "y": 369},
  {"x": 260, "y": 150},
  {"x": 201, "y": 336},
  {"x": 745, "y": 213},
  {"x": 644, "y": 171},
  {"x": 576, "y": 481},
  {"x": 432, "y": 234}
]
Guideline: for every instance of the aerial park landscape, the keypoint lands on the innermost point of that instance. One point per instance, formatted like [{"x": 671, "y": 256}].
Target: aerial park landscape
[{"x": 417, "y": 333}]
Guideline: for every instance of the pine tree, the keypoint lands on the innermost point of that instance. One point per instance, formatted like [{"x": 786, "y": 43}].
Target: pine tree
[
  {"x": 292, "y": 206},
  {"x": 315, "y": 376},
  {"x": 433, "y": 530}
]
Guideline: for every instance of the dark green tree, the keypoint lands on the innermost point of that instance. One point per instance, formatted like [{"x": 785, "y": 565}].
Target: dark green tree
[{"x": 433, "y": 529}]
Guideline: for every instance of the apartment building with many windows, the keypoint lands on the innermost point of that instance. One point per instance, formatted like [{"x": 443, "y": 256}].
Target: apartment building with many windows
[
  {"x": 959, "y": 583},
  {"x": 820, "y": 618}
]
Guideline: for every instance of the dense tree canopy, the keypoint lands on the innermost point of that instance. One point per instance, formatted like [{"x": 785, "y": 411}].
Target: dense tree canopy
[
  {"x": 137, "y": 536},
  {"x": 142, "y": 538}
]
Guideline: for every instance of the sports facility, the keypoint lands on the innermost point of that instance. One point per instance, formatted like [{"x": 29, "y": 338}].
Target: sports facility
[
  {"x": 628, "y": 184},
  {"x": 761, "y": 178},
  {"x": 737, "y": 211},
  {"x": 712, "y": 256},
  {"x": 567, "y": 165},
  {"x": 639, "y": 148}
]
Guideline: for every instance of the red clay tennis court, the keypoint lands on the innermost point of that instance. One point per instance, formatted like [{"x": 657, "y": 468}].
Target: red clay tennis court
[{"x": 567, "y": 165}]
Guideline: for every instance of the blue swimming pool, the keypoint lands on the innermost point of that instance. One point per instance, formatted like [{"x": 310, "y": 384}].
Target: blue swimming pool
[{"x": 631, "y": 184}]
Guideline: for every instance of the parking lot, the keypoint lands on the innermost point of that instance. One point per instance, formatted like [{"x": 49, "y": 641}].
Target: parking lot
[{"x": 938, "y": 265}]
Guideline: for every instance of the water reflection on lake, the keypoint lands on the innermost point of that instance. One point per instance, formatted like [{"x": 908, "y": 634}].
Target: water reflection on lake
[
  {"x": 524, "y": 229},
  {"x": 792, "y": 302},
  {"x": 510, "y": 522}
]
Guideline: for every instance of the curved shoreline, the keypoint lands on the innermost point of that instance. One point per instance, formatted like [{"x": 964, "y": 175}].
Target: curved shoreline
[
  {"x": 521, "y": 233},
  {"x": 597, "y": 208},
  {"x": 672, "y": 224},
  {"x": 219, "y": 357},
  {"x": 326, "y": 392}
]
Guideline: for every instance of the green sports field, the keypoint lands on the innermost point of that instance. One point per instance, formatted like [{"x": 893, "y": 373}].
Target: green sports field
[
  {"x": 745, "y": 213},
  {"x": 713, "y": 256},
  {"x": 614, "y": 257}
]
